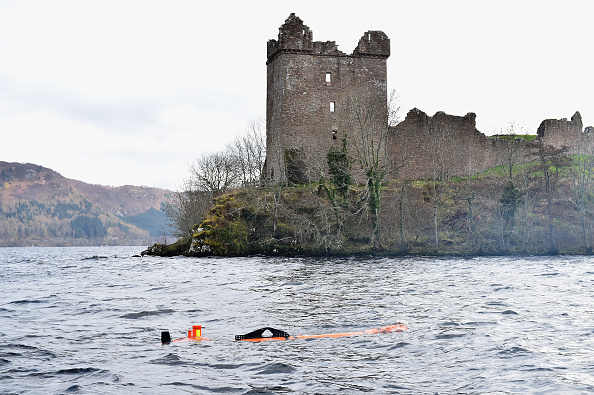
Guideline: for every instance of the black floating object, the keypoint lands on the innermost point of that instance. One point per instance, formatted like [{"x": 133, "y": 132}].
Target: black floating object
[
  {"x": 259, "y": 334},
  {"x": 165, "y": 337}
]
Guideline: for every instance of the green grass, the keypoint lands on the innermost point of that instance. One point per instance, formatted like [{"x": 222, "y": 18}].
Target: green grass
[{"x": 527, "y": 137}]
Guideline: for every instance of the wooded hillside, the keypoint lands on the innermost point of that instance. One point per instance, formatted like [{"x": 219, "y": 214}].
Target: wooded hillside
[{"x": 40, "y": 207}]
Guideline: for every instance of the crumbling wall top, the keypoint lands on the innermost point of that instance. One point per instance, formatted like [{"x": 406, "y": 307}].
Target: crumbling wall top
[
  {"x": 418, "y": 117},
  {"x": 552, "y": 126},
  {"x": 293, "y": 35},
  {"x": 373, "y": 43},
  {"x": 326, "y": 48}
]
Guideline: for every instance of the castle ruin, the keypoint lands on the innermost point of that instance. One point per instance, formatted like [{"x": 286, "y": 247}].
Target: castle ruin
[{"x": 309, "y": 83}]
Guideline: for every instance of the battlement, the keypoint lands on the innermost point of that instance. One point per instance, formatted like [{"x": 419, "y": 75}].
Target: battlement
[
  {"x": 373, "y": 43},
  {"x": 293, "y": 36},
  {"x": 296, "y": 37}
]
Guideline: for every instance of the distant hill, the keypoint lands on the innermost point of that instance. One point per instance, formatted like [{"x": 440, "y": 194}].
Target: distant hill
[{"x": 40, "y": 207}]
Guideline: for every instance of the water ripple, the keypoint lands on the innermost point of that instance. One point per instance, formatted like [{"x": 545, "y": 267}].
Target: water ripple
[{"x": 88, "y": 320}]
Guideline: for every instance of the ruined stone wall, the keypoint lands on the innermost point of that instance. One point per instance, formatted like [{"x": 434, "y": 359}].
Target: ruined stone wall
[
  {"x": 561, "y": 132},
  {"x": 448, "y": 140},
  {"x": 428, "y": 142},
  {"x": 307, "y": 84}
]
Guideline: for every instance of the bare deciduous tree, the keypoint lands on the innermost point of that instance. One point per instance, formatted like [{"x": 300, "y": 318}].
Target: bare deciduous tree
[
  {"x": 215, "y": 172},
  {"x": 551, "y": 160},
  {"x": 510, "y": 151},
  {"x": 583, "y": 165},
  {"x": 470, "y": 190},
  {"x": 186, "y": 208},
  {"x": 248, "y": 151},
  {"x": 366, "y": 121},
  {"x": 440, "y": 142}
]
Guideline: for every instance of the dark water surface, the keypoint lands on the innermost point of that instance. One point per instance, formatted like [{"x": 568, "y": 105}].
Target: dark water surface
[{"x": 88, "y": 320}]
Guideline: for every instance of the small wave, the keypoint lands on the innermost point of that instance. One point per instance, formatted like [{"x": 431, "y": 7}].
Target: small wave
[
  {"x": 450, "y": 335},
  {"x": 94, "y": 258},
  {"x": 9, "y": 354},
  {"x": 267, "y": 390},
  {"x": 509, "y": 312},
  {"x": 22, "y": 350},
  {"x": 169, "y": 359},
  {"x": 21, "y": 346},
  {"x": 449, "y": 323},
  {"x": 226, "y": 366},
  {"x": 33, "y": 260},
  {"x": 77, "y": 371},
  {"x": 393, "y": 387},
  {"x": 276, "y": 368},
  {"x": 533, "y": 369},
  {"x": 142, "y": 314},
  {"x": 398, "y": 345},
  {"x": 501, "y": 288},
  {"x": 27, "y": 301},
  {"x": 203, "y": 388},
  {"x": 479, "y": 323},
  {"x": 74, "y": 388},
  {"x": 514, "y": 350},
  {"x": 549, "y": 274}
]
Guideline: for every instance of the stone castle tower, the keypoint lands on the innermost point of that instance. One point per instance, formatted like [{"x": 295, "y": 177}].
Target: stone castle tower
[{"x": 307, "y": 83}]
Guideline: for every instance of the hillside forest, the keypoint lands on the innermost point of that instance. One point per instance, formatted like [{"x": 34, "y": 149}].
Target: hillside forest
[{"x": 39, "y": 207}]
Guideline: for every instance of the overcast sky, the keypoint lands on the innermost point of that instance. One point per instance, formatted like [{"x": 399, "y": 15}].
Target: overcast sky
[{"x": 130, "y": 92}]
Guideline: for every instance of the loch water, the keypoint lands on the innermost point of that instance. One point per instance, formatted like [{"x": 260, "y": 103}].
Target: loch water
[{"x": 88, "y": 320}]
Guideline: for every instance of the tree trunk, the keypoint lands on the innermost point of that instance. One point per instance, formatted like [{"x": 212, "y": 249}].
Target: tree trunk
[
  {"x": 584, "y": 231},
  {"x": 471, "y": 228},
  {"x": 553, "y": 247},
  {"x": 400, "y": 204},
  {"x": 276, "y": 201},
  {"x": 436, "y": 245},
  {"x": 374, "y": 206}
]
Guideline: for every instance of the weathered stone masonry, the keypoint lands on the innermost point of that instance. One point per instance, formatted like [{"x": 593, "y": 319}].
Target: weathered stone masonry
[{"x": 307, "y": 82}]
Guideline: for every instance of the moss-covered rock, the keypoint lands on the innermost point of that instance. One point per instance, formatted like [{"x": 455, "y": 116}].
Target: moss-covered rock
[{"x": 180, "y": 247}]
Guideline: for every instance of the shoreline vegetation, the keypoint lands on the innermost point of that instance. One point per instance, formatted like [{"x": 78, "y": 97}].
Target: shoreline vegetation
[{"x": 541, "y": 207}]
